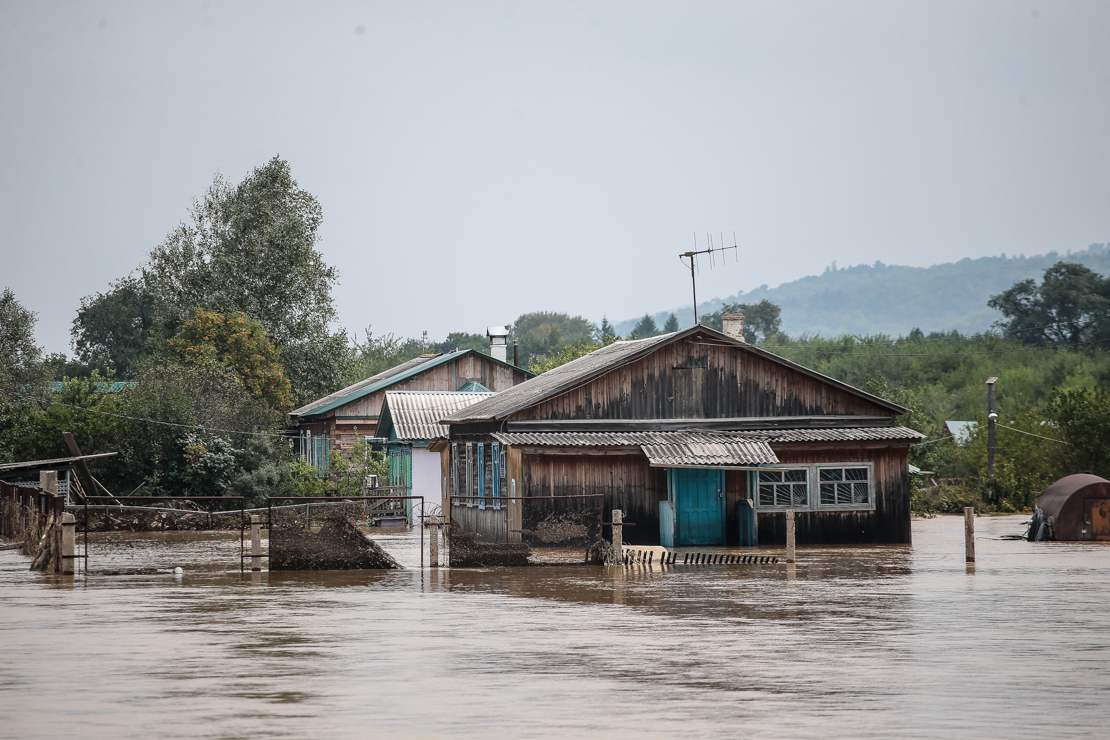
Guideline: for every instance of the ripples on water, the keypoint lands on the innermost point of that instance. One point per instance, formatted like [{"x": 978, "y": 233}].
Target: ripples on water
[{"x": 860, "y": 642}]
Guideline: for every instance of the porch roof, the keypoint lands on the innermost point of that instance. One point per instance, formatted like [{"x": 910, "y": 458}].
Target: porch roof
[{"x": 663, "y": 449}]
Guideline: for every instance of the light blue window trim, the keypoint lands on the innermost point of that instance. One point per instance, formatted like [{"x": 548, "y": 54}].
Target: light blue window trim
[
  {"x": 481, "y": 475},
  {"x": 495, "y": 459}
]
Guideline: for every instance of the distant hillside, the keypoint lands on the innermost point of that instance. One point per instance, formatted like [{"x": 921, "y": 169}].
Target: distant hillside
[{"x": 891, "y": 299}]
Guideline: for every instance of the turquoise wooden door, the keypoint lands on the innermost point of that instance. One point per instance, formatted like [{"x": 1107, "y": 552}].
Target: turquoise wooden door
[{"x": 699, "y": 497}]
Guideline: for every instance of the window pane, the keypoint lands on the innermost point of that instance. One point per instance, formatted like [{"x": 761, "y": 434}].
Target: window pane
[
  {"x": 782, "y": 495},
  {"x": 855, "y": 474},
  {"x": 766, "y": 495},
  {"x": 800, "y": 494},
  {"x": 843, "y": 493},
  {"x": 770, "y": 476},
  {"x": 859, "y": 493},
  {"x": 795, "y": 475},
  {"x": 832, "y": 474},
  {"x": 828, "y": 493}
]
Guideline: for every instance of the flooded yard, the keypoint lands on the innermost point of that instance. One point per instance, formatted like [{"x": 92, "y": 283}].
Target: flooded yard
[{"x": 891, "y": 641}]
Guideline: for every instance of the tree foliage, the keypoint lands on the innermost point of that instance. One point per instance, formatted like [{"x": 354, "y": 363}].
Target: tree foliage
[
  {"x": 115, "y": 331},
  {"x": 22, "y": 370},
  {"x": 761, "y": 320},
  {"x": 545, "y": 333},
  {"x": 1071, "y": 305},
  {"x": 671, "y": 325},
  {"x": 645, "y": 328},
  {"x": 251, "y": 248},
  {"x": 239, "y": 343},
  {"x": 1081, "y": 416}
]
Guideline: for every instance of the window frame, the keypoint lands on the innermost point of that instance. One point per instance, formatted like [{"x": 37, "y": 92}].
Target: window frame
[{"x": 813, "y": 487}]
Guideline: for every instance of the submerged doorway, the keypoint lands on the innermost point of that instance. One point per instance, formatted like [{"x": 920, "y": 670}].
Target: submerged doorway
[{"x": 696, "y": 507}]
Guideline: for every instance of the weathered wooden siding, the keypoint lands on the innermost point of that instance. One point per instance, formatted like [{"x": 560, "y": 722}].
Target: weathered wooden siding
[
  {"x": 889, "y": 522},
  {"x": 627, "y": 482},
  {"x": 693, "y": 380}
]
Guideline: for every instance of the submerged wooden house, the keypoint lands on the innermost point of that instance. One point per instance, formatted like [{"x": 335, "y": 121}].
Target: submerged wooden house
[
  {"x": 335, "y": 418},
  {"x": 700, "y": 438}
]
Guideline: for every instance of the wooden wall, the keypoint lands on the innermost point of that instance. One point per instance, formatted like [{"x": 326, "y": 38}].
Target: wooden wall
[
  {"x": 889, "y": 522},
  {"x": 626, "y": 480},
  {"x": 688, "y": 379}
]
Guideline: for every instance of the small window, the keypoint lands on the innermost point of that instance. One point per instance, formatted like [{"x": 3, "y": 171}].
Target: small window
[
  {"x": 845, "y": 486},
  {"x": 784, "y": 487}
]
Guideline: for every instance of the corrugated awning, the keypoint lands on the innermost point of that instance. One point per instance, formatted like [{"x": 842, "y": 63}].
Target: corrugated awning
[{"x": 663, "y": 449}]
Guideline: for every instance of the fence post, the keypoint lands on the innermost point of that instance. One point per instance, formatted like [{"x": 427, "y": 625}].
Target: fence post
[
  {"x": 433, "y": 548},
  {"x": 618, "y": 534},
  {"x": 256, "y": 542},
  {"x": 969, "y": 533},
  {"x": 69, "y": 544},
  {"x": 790, "y": 536}
]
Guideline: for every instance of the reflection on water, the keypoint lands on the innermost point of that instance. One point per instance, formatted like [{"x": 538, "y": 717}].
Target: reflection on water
[{"x": 861, "y": 642}]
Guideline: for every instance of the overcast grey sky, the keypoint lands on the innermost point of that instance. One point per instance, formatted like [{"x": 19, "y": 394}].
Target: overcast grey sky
[{"x": 476, "y": 160}]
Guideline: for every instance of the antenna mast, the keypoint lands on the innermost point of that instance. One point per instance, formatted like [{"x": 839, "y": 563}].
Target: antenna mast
[{"x": 693, "y": 257}]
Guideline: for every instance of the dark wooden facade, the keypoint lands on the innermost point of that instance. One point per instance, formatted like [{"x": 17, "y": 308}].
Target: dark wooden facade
[{"x": 688, "y": 381}]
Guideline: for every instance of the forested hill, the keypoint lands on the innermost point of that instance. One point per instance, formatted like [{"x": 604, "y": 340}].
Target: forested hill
[{"x": 892, "y": 299}]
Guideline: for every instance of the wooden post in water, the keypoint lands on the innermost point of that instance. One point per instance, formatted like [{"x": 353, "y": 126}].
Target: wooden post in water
[
  {"x": 790, "y": 536},
  {"x": 618, "y": 534},
  {"x": 433, "y": 549},
  {"x": 256, "y": 542},
  {"x": 69, "y": 544},
  {"x": 969, "y": 533}
]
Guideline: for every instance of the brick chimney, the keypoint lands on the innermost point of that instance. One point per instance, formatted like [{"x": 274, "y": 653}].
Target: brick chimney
[{"x": 733, "y": 324}]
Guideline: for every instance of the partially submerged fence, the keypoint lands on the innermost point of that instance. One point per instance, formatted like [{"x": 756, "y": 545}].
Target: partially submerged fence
[
  {"x": 164, "y": 513},
  {"x": 523, "y": 530},
  {"x": 35, "y": 520}
]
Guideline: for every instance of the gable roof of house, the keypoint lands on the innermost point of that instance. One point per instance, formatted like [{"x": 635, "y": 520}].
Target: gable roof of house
[
  {"x": 388, "y": 378},
  {"x": 601, "y": 361},
  {"x": 415, "y": 415}
]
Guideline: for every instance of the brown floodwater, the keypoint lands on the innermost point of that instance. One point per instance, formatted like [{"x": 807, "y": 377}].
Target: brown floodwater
[{"x": 885, "y": 641}]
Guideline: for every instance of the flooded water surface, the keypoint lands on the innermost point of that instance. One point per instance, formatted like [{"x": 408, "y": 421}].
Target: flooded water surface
[{"x": 852, "y": 642}]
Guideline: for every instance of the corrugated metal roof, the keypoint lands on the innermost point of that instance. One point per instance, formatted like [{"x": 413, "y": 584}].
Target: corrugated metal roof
[
  {"x": 864, "y": 434},
  {"x": 352, "y": 390},
  {"x": 610, "y": 439},
  {"x": 415, "y": 415},
  {"x": 600, "y": 361},
  {"x": 474, "y": 387},
  {"x": 661, "y": 448},
  {"x": 385, "y": 379}
]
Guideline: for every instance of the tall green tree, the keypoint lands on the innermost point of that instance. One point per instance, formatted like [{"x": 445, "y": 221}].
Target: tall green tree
[
  {"x": 605, "y": 331},
  {"x": 115, "y": 330},
  {"x": 672, "y": 324},
  {"x": 22, "y": 369},
  {"x": 761, "y": 320},
  {"x": 545, "y": 332},
  {"x": 1071, "y": 305},
  {"x": 645, "y": 328},
  {"x": 251, "y": 248}
]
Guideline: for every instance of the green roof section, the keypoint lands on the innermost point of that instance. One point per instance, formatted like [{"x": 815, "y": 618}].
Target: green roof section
[
  {"x": 361, "y": 391},
  {"x": 473, "y": 387}
]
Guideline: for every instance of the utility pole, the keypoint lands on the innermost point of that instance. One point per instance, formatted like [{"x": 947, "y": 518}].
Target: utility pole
[
  {"x": 692, "y": 256},
  {"x": 991, "y": 418}
]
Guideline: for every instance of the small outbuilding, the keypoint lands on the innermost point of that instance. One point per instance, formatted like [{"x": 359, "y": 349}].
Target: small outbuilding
[{"x": 1078, "y": 507}]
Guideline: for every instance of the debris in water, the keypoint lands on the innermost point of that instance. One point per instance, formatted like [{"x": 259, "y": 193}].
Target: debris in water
[{"x": 338, "y": 545}]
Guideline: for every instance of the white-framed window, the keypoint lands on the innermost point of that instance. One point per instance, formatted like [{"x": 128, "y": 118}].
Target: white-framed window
[
  {"x": 816, "y": 486},
  {"x": 784, "y": 488},
  {"x": 844, "y": 485}
]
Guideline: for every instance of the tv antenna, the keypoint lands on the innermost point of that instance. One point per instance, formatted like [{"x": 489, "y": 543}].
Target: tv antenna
[{"x": 711, "y": 250}]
